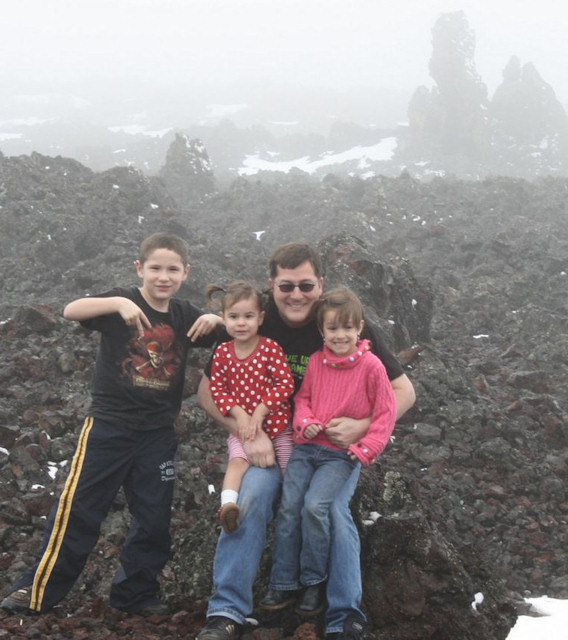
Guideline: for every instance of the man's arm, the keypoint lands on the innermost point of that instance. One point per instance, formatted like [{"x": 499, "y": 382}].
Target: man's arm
[
  {"x": 260, "y": 451},
  {"x": 343, "y": 432},
  {"x": 404, "y": 394}
]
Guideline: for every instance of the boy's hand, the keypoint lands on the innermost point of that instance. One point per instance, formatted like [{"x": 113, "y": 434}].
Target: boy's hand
[
  {"x": 133, "y": 315},
  {"x": 312, "y": 430},
  {"x": 204, "y": 325}
]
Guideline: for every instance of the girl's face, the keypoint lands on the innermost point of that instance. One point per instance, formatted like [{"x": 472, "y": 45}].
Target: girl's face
[
  {"x": 340, "y": 337},
  {"x": 242, "y": 319}
]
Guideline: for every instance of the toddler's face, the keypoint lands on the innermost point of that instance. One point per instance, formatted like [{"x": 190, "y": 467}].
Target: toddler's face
[{"x": 242, "y": 319}]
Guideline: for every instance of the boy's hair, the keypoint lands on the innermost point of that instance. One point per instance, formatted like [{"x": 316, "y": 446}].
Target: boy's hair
[
  {"x": 292, "y": 255},
  {"x": 235, "y": 292},
  {"x": 164, "y": 240},
  {"x": 344, "y": 303}
]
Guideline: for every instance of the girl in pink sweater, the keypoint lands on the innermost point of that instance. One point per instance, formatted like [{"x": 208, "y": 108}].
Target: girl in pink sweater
[{"x": 343, "y": 379}]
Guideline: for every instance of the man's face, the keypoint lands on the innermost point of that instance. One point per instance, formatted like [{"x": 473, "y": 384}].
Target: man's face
[{"x": 295, "y": 307}]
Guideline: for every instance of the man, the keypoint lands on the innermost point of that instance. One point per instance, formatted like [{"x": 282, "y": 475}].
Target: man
[{"x": 296, "y": 283}]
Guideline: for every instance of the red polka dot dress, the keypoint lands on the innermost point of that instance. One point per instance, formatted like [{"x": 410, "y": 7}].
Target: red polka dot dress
[{"x": 264, "y": 376}]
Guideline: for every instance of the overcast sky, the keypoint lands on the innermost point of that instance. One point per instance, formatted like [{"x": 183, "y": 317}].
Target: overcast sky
[{"x": 336, "y": 43}]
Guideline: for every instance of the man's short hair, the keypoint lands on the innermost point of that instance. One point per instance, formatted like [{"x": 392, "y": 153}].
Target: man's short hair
[
  {"x": 292, "y": 255},
  {"x": 164, "y": 240}
]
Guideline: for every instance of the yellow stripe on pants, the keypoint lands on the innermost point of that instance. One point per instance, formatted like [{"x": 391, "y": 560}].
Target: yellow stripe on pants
[{"x": 62, "y": 517}]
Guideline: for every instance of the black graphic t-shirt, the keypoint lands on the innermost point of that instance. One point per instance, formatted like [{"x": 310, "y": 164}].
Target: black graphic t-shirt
[
  {"x": 138, "y": 381},
  {"x": 300, "y": 343}
]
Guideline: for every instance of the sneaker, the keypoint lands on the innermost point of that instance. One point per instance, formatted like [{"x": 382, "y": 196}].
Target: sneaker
[
  {"x": 17, "y": 601},
  {"x": 220, "y": 628},
  {"x": 228, "y": 516},
  {"x": 274, "y": 600},
  {"x": 353, "y": 629}
]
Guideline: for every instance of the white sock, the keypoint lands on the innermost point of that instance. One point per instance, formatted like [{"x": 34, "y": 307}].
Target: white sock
[{"x": 228, "y": 495}]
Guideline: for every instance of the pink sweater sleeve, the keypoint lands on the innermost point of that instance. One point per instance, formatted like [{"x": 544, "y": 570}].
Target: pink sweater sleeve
[
  {"x": 303, "y": 415},
  {"x": 383, "y": 417}
]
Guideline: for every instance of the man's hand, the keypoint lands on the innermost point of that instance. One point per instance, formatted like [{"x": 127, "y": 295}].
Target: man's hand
[
  {"x": 204, "y": 325},
  {"x": 343, "y": 432},
  {"x": 260, "y": 451}
]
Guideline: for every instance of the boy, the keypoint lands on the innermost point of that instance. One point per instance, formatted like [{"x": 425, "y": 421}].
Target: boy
[{"x": 128, "y": 438}]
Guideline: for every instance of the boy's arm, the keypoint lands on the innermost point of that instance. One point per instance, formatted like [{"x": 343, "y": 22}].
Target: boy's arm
[
  {"x": 87, "y": 308},
  {"x": 204, "y": 325}
]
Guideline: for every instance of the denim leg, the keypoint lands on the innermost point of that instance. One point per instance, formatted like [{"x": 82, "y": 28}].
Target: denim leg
[
  {"x": 238, "y": 554},
  {"x": 333, "y": 470},
  {"x": 344, "y": 590},
  {"x": 286, "y": 548}
]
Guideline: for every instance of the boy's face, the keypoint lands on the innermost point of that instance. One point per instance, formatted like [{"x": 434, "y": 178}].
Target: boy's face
[
  {"x": 162, "y": 273},
  {"x": 295, "y": 307}
]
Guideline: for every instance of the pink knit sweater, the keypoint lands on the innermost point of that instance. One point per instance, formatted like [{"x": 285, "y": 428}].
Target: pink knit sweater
[{"x": 355, "y": 386}]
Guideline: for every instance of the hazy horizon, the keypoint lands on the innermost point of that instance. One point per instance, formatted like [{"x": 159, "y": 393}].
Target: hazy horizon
[{"x": 333, "y": 44}]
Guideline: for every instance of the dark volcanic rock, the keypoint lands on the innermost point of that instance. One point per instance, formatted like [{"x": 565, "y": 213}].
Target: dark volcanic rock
[{"x": 466, "y": 279}]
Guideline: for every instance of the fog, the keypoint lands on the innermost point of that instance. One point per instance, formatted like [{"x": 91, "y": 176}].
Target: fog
[{"x": 338, "y": 44}]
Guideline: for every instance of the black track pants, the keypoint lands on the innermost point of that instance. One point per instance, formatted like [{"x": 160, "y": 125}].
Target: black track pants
[{"x": 108, "y": 457}]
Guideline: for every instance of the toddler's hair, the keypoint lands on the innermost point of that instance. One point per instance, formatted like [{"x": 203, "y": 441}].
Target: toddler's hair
[
  {"x": 344, "y": 303},
  {"x": 235, "y": 292},
  {"x": 164, "y": 240}
]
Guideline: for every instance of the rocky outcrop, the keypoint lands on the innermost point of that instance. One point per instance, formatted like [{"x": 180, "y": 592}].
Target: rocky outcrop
[
  {"x": 187, "y": 172},
  {"x": 451, "y": 118}
]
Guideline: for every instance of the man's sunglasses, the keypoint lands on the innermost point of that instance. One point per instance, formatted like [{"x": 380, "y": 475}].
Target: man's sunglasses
[{"x": 288, "y": 287}]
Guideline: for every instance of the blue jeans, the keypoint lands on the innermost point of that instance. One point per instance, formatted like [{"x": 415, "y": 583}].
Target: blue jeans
[
  {"x": 300, "y": 556},
  {"x": 238, "y": 554}
]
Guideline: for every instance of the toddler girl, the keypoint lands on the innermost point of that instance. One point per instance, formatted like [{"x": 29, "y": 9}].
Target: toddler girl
[{"x": 251, "y": 381}]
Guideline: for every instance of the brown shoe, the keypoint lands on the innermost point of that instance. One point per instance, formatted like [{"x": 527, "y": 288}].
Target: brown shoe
[{"x": 228, "y": 517}]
